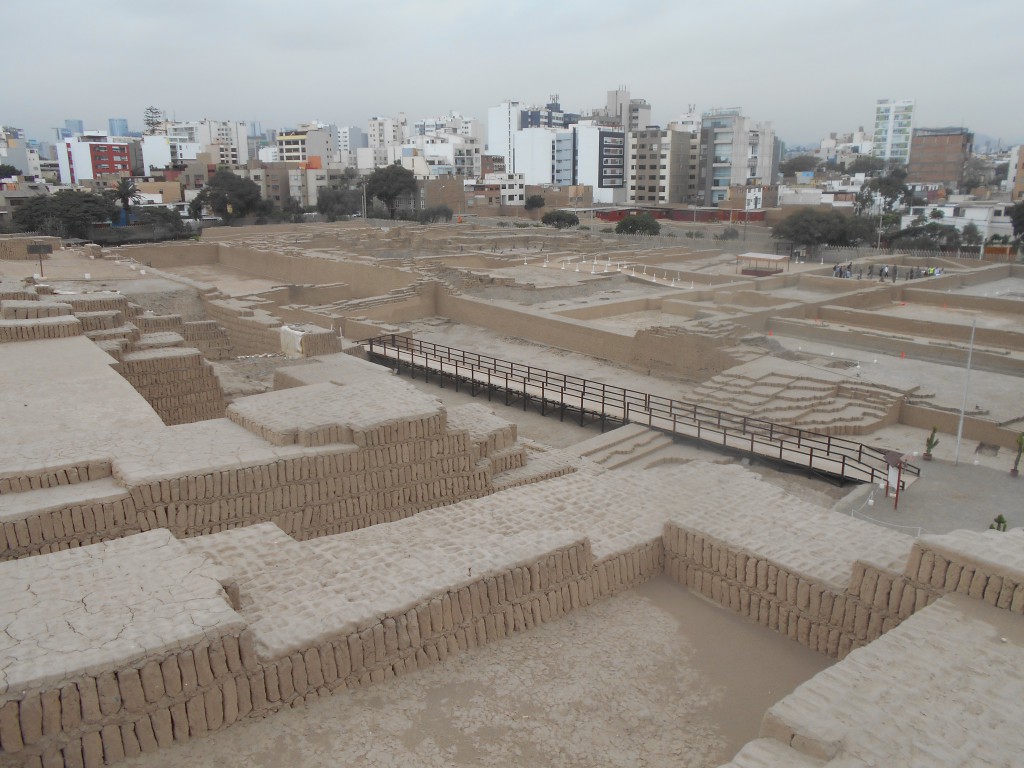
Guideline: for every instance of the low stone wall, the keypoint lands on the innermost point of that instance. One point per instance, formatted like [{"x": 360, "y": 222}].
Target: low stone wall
[
  {"x": 39, "y": 328},
  {"x": 16, "y": 248},
  {"x": 119, "y": 713},
  {"x": 833, "y": 620},
  {"x": 179, "y": 384},
  {"x": 209, "y": 338},
  {"x": 250, "y": 334}
]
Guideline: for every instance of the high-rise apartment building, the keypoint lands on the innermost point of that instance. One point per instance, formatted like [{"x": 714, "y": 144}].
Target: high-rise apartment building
[
  {"x": 1015, "y": 174},
  {"x": 92, "y": 154},
  {"x": 384, "y": 132},
  {"x": 939, "y": 156},
  {"x": 306, "y": 141},
  {"x": 16, "y": 150},
  {"x": 117, "y": 126},
  {"x": 628, "y": 113},
  {"x": 504, "y": 120},
  {"x": 734, "y": 151},
  {"x": 662, "y": 167},
  {"x": 226, "y": 141},
  {"x": 894, "y": 125}
]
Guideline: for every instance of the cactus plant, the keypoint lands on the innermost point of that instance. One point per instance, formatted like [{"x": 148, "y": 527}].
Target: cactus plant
[
  {"x": 998, "y": 524},
  {"x": 930, "y": 442}
]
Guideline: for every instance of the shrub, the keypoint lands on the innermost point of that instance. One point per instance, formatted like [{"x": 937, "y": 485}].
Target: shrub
[
  {"x": 560, "y": 219},
  {"x": 641, "y": 224}
]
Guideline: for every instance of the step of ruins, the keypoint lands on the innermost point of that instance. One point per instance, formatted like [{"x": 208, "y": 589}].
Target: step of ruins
[
  {"x": 640, "y": 450},
  {"x": 53, "y": 475},
  {"x": 607, "y": 440},
  {"x": 623, "y": 446},
  {"x": 31, "y": 517}
]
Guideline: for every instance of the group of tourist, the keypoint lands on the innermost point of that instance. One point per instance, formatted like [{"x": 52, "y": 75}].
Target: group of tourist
[
  {"x": 911, "y": 273},
  {"x": 846, "y": 270},
  {"x": 885, "y": 272}
]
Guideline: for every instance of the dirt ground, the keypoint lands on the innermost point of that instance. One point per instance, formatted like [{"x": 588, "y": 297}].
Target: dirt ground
[{"x": 652, "y": 677}]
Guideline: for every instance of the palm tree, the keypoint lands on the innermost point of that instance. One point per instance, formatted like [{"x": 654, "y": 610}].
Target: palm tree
[{"x": 127, "y": 193}]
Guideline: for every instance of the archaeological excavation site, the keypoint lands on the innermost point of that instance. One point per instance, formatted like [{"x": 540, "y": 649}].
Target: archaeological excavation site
[{"x": 375, "y": 493}]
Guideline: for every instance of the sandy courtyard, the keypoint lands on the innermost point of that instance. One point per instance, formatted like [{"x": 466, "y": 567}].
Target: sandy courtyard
[{"x": 652, "y": 677}]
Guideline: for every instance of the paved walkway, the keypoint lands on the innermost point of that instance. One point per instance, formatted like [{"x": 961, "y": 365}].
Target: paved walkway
[{"x": 947, "y": 497}]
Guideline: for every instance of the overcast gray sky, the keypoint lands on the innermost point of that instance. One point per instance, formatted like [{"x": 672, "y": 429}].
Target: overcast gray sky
[{"x": 810, "y": 66}]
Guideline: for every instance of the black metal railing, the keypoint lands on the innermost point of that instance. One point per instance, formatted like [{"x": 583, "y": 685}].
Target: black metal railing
[{"x": 846, "y": 459}]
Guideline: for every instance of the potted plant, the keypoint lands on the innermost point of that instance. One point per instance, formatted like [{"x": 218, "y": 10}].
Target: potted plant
[
  {"x": 1020, "y": 450},
  {"x": 930, "y": 442}
]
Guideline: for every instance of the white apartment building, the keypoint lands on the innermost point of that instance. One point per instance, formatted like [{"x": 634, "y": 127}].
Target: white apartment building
[
  {"x": 845, "y": 147},
  {"x": 90, "y": 154},
  {"x": 734, "y": 151},
  {"x": 502, "y": 123},
  {"x": 15, "y": 150},
  {"x": 894, "y": 128},
  {"x": 601, "y": 161},
  {"x": 383, "y": 132},
  {"x": 991, "y": 218},
  {"x": 314, "y": 139},
  {"x": 511, "y": 185},
  {"x": 453, "y": 123},
  {"x": 368, "y": 158},
  {"x": 628, "y": 113},
  {"x": 159, "y": 152},
  {"x": 534, "y": 152},
  {"x": 444, "y": 154},
  {"x": 351, "y": 138},
  {"x": 227, "y": 141}
]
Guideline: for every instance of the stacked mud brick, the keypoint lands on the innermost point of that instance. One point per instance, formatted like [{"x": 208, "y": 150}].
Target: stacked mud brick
[
  {"x": 16, "y": 248},
  {"x": 242, "y": 645},
  {"x": 937, "y": 690},
  {"x": 319, "y": 341},
  {"x": 205, "y": 335},
  {"x": 24, "y": 318},
  {"x": 209, "y": 338},
  {"x": 350, "y": 457},
  {"x": 177, "y": 381},
  {"x": 809, "y": 602},
  {"x": 252, "y": 331}
]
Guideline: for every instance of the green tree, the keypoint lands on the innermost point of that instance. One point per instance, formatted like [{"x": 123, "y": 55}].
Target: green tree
[
  {"x": 334, "y": 203},
  {"x": 6, "y": 171},
  {"x": 389, "y": 183},
  {"x": 1016, "y": 214},
  {"x": 936, "y": 214},
  {"x": 640, "y": 224},
  {"x": 798, "y": 164},
  {"x": 127, "y": 194},
  {"x": 153, "y": 117},
  {"x": 812, "y": 228},
  {"x": 927, "y": 237},
  {"x": 971, "y": 234},
  {"x": 435, "y": 213},
  {"x": 533, "y": 202},
  {"x": 865, "y": 164},
  {"x": 560, "y": 219},
  {"x": 861, "y": 229},
  {"x": 889, "y": 189},
  {"x": 230, "y": 196},
  {"x": 161, "y": 217},
  {"x": 68, "y": 212}
]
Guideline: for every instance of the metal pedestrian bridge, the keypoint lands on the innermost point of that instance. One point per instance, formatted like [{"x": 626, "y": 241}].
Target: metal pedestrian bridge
[{"x": 588, "y": 401}]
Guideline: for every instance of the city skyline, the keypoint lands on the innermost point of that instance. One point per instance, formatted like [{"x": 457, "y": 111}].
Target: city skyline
[{"x": 327, "y": 61}]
